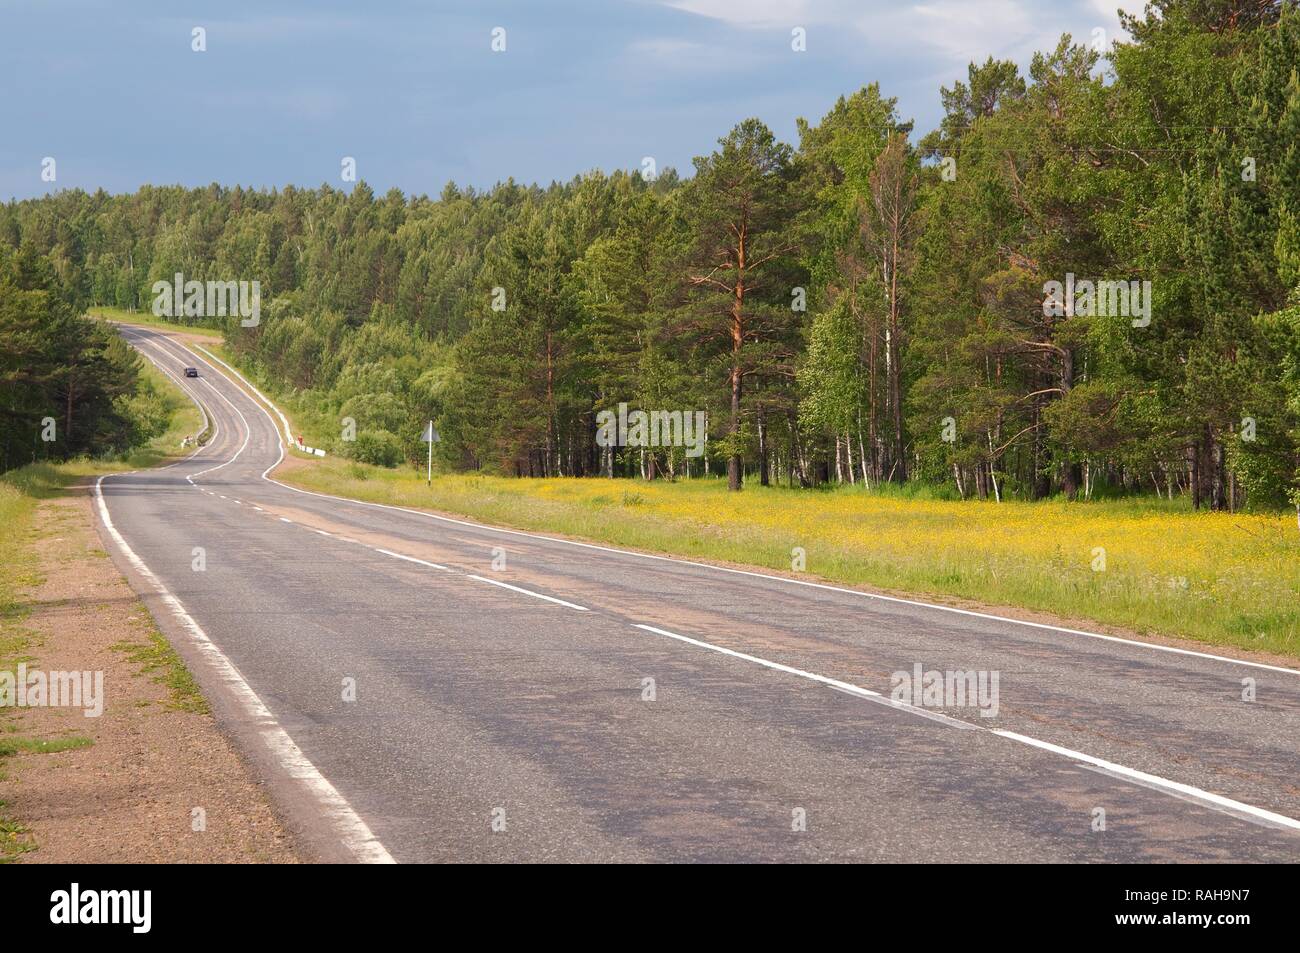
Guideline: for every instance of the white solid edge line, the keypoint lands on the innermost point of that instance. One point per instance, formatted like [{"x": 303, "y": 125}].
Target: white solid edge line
[
  {"x": 348, "y": 825},
  {"x": 207, "y": 420},
  {"x": 1173, "y": 786},
  {"x": 248, "y": 433},
  {"x": 409, "y": 559},
  {"x": 186, "y": 391},
  {"x": 162, "y": 336},
  {"x": 280, "y": 440},
  {"x": 1207, "y": 798},
  {"x": 283, "y": 419},
  {"x": 795, "y": 582},
  {"x": 747, "y": 572},
  {"x": 528, "y": 592},
  {"x": 751, "y": 573},
  {"x": 156, "y": 342}
]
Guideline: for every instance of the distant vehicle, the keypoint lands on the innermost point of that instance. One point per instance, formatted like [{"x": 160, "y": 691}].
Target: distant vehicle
[{"x": 191, "y": 372}]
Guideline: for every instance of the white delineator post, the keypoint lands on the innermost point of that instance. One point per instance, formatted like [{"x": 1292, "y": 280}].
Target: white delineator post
[{"x": 430, "y": 436}]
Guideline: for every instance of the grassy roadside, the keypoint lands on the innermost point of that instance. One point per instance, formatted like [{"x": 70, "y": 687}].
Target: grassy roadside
[
  {"x": 305, "y": 419},
  {"x": 317, "y": 429},
  {"x": 21, "y": 492},
  {"x": 23, "y": 488},
  {"x": 146, "y": 319},
  {"x": 18, "y": 573},
  {"x": 1150, "y": 566},
  {"x": 1153, "y": 567}
]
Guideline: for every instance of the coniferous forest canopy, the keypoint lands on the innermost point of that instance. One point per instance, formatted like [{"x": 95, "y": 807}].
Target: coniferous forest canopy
[{"x": 865, "y": 305}]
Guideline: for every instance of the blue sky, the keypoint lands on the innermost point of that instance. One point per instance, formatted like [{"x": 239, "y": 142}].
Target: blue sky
[{"x": 114, "y": 92}]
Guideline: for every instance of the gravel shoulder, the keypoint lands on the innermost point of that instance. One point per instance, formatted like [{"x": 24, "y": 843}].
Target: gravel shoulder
[{"x": 152, "y": 779}]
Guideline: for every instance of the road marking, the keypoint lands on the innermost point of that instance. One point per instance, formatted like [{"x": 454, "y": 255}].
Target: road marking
[
  {"x": 1197, "y": 794},
  {"x": 1203, "y": 797},
  {"x": 279, "y": 440},
  {"x": 529, "y": 592},
  {"x": 913, "y": 710},
  {"x": 267, "y": 400},
  {"x": 746, "y": 572},
  {"x": 338, "y": 813},
  {"x": 188, "y": 393},
  {"x": 778, "y": 666},
  {"x": 248, "y": 433},
  {"x": 741, "y": 572},
  {"x": 409, "y": 559}
]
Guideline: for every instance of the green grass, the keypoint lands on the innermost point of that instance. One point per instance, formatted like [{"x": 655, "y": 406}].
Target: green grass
[
  {"x": 184, "y": 420},
  {"x": 147, "y": 319},
  {"x": 318, "y": 429},
  {"x": 21, "y": 491},
  {"x": 1222, "y": 579},
  {"x": 1217, "y": 578},
  {"x": 44, "y": 479},
  {"x": 15, "y": 839},
  {"x": 156, "y": 657},
  {"x": 10, "y": 746},
  {"x": 23, "y": 488}
]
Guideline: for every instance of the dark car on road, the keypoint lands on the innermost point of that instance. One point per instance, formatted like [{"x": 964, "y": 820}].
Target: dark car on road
[{"x": 191, "y": 372}]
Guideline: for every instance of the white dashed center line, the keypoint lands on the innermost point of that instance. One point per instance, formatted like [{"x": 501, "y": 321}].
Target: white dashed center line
[{"x": 529, "y": 592}]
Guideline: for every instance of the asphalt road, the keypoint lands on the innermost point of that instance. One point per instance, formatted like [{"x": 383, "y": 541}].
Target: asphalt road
[{"x": 504, "y": 714}]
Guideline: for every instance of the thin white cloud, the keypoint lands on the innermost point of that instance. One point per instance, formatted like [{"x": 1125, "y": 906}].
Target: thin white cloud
[
  {"x": 972, "y": 31},
  {"x": 758, "y": 13},
  {"x": 962, "y": 29},
  {"x": 1107, "y": 13}
]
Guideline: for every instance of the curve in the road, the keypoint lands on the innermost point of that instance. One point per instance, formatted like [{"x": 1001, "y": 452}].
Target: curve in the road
[{"x": 1156, "y": 717}]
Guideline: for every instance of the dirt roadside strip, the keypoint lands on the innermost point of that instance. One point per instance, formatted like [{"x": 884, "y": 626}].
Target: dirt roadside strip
[{"x": 152, "y": 779}]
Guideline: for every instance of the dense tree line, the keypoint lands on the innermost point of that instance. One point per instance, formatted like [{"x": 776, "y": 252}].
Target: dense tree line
[
  {"x": 866, "y": 306},
  {"x": 68, "y": 385}
]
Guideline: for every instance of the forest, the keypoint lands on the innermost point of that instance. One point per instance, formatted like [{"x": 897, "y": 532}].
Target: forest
[
  {"x": 69, "y": 386},
  {"x": 870, "y": 304}
]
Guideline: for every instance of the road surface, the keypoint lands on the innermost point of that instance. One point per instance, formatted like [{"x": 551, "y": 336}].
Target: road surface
[{"x": 587, "y": 704}]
